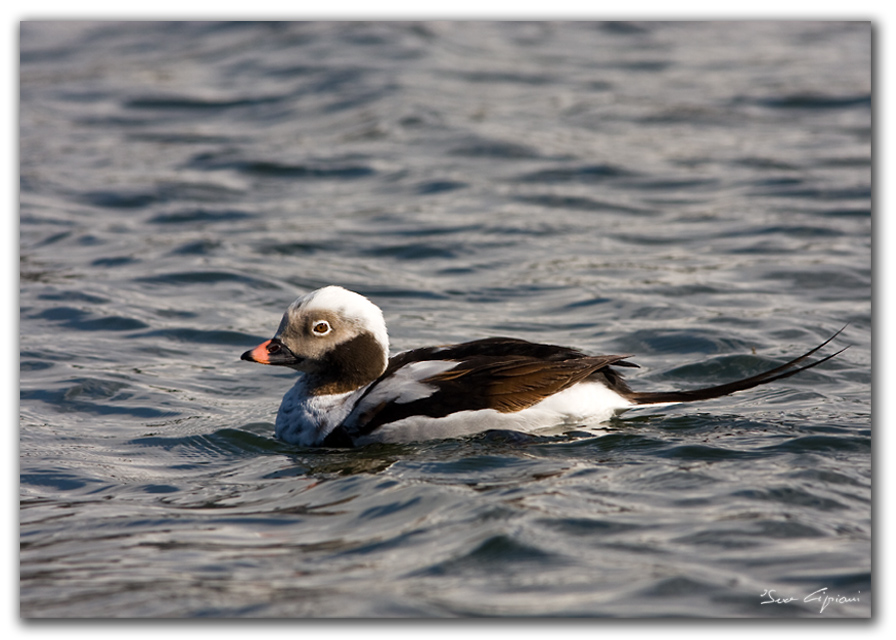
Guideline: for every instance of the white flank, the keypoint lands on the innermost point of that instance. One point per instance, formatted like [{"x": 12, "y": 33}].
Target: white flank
[{"x": 583, "y": 404}]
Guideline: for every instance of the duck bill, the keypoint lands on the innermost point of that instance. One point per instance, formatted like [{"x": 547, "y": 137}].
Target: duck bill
[{"x": 271, "y": 352}]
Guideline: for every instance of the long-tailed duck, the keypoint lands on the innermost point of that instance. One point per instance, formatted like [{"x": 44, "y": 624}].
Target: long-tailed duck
[{"x": 353, "y": 394}]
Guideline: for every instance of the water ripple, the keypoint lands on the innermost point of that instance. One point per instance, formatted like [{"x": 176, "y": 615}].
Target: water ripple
[{"x": 695, "y": 193}]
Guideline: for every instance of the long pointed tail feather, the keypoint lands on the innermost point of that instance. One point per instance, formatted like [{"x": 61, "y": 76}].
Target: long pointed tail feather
[{"x": 784, "y": 371}]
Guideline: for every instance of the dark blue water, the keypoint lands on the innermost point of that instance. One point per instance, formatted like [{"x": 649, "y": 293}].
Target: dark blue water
[{"x": 696, "y": 194}]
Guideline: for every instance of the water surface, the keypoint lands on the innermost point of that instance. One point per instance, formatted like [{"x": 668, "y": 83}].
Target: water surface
[{"x": 696, "y": 194}]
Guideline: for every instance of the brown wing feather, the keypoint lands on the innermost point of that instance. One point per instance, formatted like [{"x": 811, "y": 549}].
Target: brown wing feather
[
  {"x": 503, "y": 380},
  {"x": 513, "y": 384}
]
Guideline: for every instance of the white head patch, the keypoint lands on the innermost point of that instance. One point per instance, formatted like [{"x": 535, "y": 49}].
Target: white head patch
[{"x": 351, "y": 306}]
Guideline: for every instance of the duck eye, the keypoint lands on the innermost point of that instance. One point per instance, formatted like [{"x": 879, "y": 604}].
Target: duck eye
[{"x": 321, "y": 328}]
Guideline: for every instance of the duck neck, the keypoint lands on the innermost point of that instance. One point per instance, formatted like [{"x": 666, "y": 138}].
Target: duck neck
[{"x": 350, "y": 366}]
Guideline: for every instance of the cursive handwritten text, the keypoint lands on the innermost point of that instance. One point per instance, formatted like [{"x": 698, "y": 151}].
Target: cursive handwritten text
[{"x": 820, "y": 596}]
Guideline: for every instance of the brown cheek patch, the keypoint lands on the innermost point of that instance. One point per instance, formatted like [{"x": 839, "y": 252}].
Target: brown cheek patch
[
  {"x": 313, "y": 317},
  {"x": 299, "y": 336}
]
